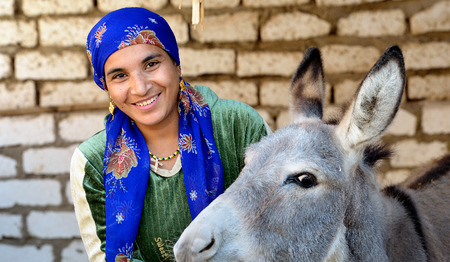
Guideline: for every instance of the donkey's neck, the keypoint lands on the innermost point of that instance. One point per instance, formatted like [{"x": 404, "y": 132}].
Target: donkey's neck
[
  {"x": 365, "y": 238},
  {"x": 403, "y": 232}
]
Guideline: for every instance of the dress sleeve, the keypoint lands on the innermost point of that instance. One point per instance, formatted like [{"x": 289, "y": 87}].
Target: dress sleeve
[{"x": 90, "y": 219}]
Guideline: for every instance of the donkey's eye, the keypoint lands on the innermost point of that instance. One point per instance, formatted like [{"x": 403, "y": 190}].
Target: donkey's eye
[{"x": 305, "y": 180}]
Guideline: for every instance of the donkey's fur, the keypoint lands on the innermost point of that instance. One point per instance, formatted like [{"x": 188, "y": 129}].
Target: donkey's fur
[{"x": 308, "y": 192}]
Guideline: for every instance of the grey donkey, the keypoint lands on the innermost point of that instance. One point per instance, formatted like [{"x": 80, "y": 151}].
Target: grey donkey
[{"x": 308, "y": 192}]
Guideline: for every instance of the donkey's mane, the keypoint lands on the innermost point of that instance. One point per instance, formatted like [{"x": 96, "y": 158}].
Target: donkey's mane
[
  {"x": 439, "y": 170},
  {"x": 405, "y": 200}
]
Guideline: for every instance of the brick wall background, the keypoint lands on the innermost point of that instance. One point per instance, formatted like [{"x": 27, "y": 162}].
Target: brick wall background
[{"x": 248, "y": 51}]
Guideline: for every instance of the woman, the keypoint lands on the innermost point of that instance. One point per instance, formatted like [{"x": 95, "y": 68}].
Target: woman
[{"x": 168, "y": 149}]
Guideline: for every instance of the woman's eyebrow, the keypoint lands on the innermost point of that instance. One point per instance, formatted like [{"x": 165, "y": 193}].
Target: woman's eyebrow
[
  {"x": 146, "y": 59},
  {"x": 150, "y": 57},
  {"x": 112, "y": 71}
]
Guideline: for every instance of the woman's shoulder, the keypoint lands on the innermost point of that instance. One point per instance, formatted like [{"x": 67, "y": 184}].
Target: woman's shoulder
[
  {"x": 231, "y": 116},
  {"x": 94, "y": 147},
  {"x": 226, "y": 106}
]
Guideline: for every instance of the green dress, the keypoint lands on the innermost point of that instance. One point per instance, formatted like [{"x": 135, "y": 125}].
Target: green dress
[{"x": 166, "y": 212}]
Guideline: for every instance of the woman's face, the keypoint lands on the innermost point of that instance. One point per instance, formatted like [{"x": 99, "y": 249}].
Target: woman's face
[{"x": 143, "y": 81}]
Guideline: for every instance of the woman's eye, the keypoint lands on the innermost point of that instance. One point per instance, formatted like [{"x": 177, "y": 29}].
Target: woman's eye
[
  {"x": 118, "y": 76},
  {"x": 151, "y": 64},
  {"x": 305, "y": 180}
]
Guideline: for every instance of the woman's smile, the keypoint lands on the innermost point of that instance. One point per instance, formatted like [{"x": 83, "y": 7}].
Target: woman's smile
[
  {"x": 146, "y": 102},
  {"x": 143, "y": 82}
]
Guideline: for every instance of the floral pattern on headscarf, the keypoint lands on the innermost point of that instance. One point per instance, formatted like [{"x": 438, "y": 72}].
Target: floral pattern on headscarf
[
  {"x": 137, "y": 35},
  {"x": 126, "y": 161},
  {"x": 121, "y": 161}
]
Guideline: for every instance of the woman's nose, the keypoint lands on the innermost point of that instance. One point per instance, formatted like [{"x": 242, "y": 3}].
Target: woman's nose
[{"x": 139, "y": 85}]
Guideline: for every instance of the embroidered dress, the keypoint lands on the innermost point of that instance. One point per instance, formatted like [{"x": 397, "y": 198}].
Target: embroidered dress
[{"x": 166, "y": 202}]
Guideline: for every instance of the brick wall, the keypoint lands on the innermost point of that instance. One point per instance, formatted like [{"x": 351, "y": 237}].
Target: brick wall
[{"x": 247, "y": 51}]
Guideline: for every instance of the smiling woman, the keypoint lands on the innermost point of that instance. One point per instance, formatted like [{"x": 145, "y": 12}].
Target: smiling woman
[
  {"x": 142, "y": 81},
  {"x": 167, "y": 151}
]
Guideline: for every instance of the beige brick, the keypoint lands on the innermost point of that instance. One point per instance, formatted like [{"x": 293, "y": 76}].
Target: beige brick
[
  {"x": 275, "y": 93},
  {"x": 373, "y": 24},
  {"x": 5, "y": 66},
  {"x": 179, "y": 27},
  {"x": 207, "y": 61},
  {"x": 426, "y": 55},
  {"x": 40, "y": 224},
  {"x": 7, "y": 7},
  {"x": 332, "y": 112},
  {"x": 17, "y": 95},
  {"x": 11, "y": 226},
  {"x": 222, "y": 28},
  {"x": 208, "y": 4},
  {"x": 404, "y": 124},
  {"x": 30, "y": 192},
  {"x": 294, "y": 26},
  {"x": 72, "y": 93},
  {"x": 10, "y": 34},
  {"x": 394, "y": 177},
  {"x": 81, "y": 126},
  {"x": 344, "y": 91},
  {"x": 8, "y": 167},
  {"x": 410, "y": 153},
  {"x": 68, "y": 193},
  {"x": 268, "y": 63},
  {"x": 74, "y": 252},
  {"x": 435, "y": 118},
  {"x": 26, "y": 130},
  {"x": 266, "y": 3},
  {"x": 267, "y": 117},
  {"x": 27, "y": 252},
  {"x": 342, "y": 58},
  {"x": 111, "y": 5},
  {"x": 429, "y": 87},
  {"x": 283, "y": 119},
  {"x": 49, "y": 66},
  {"x": 343, "y": 2},
  {"x": 51, "y": 160},
  {"x": 244, "y": 91},
  {"x": 18, "y": 32},
  {"x": 55, "y": 7},
  {"x": 433, "y": 19},
  {"x": 28, "y": 33},
  {"x": 51, "y": 33}
]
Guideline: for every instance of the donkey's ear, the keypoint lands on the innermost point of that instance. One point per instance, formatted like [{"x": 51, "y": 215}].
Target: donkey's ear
[
  {"x": 308, "y": 87},
  {"x": 376, "y": 102}
]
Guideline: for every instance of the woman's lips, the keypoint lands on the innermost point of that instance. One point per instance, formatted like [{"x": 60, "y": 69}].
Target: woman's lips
[{"x": 146, "y": 102}]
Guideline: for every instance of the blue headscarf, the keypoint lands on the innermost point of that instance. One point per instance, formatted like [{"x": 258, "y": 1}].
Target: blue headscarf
[{"x": 126, "y": 162}]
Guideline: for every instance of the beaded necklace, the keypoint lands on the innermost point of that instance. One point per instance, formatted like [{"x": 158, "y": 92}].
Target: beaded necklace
[{"x": 157, "y": 159}]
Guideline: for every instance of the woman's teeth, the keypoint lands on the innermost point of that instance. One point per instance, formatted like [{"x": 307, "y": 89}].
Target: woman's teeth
[{"x": 148, "y": 102}]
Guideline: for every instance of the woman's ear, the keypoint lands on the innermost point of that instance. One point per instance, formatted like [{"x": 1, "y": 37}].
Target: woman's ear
[{"x": 179, "y": 70}]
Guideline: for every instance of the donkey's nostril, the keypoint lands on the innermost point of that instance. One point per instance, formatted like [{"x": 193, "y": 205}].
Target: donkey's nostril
[{"x": 208, "y": 246}]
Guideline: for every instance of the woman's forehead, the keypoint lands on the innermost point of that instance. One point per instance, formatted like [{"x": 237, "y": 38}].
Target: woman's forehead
[{"x": 134, "y": 54}]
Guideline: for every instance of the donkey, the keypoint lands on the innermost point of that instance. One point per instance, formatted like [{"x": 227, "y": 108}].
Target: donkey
[{"x": 308, "y": 192}]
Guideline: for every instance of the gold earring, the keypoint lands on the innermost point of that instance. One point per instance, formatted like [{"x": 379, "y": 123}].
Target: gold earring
[
  {"x": 182, "y": 85},
  {"x": 111, "y": 108}
]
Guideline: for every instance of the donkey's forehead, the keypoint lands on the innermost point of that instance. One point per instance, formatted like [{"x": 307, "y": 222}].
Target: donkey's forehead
[{"x": 307, "y": 140}]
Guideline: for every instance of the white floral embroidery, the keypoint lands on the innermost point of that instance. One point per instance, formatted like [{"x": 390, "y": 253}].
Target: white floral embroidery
[{"x": 193, "y": 195}]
